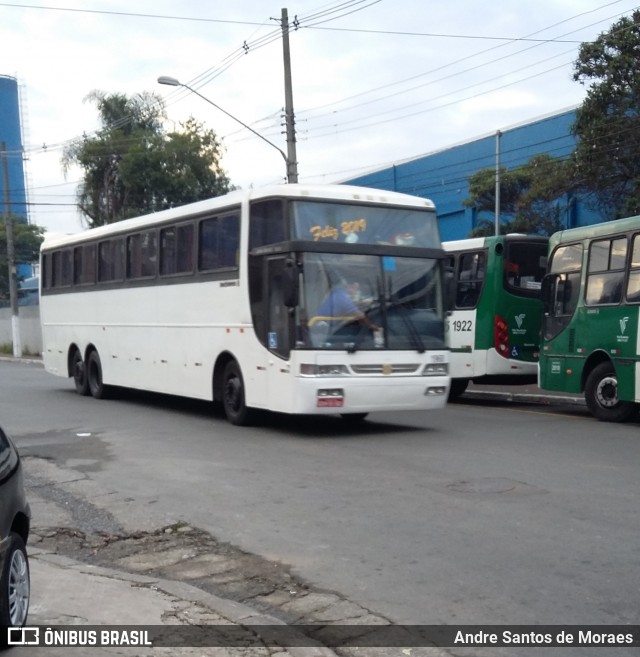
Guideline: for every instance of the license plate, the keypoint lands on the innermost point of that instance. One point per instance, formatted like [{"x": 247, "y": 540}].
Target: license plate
[{"x": 330, "y": 402}]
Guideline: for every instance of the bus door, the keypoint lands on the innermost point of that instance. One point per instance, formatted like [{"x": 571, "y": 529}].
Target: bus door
[
  {"x": 278, "y": 290},
  {"x": 461, "y": 325}
]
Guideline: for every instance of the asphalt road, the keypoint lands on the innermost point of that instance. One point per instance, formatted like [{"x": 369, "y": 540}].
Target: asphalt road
[{"x": 483, "y": 513}]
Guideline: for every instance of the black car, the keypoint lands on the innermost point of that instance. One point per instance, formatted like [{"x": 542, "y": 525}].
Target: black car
[{"x": 15, "y": 519}]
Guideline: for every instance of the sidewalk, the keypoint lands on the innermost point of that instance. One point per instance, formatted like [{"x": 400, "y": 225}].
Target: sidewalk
[{"x": 69, "y": 593}]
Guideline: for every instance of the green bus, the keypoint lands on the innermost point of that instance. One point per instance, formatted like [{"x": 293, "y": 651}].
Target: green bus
[
  {"x": 493, "y": 328},
  {"x": 591, "y": 300}
]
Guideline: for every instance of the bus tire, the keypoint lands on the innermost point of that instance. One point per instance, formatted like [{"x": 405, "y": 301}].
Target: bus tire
[
  {"x": 233, "y": 398},
  {"x": 97, "y": 388},
  {"x": 458, "y": 388},
  {"x": 79, "y": 373},
  {"x": 601, "y": 395}
]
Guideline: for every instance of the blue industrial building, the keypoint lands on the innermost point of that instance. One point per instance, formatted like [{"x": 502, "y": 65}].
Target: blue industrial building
[
  {"x": 443, "y": 176},
  {"x": 11, "y": 140},
  {"x": 13, "y": 192}
]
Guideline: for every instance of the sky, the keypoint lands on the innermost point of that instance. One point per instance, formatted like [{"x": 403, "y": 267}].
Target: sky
[{"x": 375, "y": 82}]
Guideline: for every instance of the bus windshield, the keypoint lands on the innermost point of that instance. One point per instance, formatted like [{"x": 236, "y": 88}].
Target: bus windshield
[
  {"x": 363, "y": 224},
  {"x": 358, "y": 302}
]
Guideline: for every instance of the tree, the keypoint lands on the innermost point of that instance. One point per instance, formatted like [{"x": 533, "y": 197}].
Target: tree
[
  {"x": 133, "y": 166},
  {"x": 535, "y": 195},
  {"x": 608, "y": 121},
  {"x": 26, "y": 242}
]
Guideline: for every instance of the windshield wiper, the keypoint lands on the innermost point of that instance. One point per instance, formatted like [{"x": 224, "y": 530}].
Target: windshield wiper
[{"x": 408, "y": 322}]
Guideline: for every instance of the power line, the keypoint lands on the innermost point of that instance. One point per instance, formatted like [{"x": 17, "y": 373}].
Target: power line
[{"x": 450, "y": 64}]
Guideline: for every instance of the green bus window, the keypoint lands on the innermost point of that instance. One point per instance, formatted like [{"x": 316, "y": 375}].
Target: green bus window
[
  {"x": 599, "y": 256},
  {"x": 471, "y": 274},
  {"x": 566, "y": 259},
  {"x": 633, "y": 285},
  {"x": 567, "y": 295},
  {"x": 607, "y": 260},
  {"x": 618, "y": 258}
]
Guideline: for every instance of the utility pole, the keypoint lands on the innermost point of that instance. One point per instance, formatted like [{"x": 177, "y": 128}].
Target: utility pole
[
  {"x": 11, "y": 258},
  {"x": 292, "y": 158}
]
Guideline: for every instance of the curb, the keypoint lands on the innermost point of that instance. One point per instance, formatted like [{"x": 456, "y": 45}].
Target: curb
[
  {"x": 27, "y": 360},
  {"x": 235, "y": 612}
]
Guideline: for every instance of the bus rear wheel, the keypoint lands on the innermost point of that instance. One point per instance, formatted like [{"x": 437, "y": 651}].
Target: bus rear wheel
[
  {"x": 97, "y": 388},
  {"x": 601, "y": 395},
  {"x": 79, "y": 370},
  {"x": 233, "y": 399}
]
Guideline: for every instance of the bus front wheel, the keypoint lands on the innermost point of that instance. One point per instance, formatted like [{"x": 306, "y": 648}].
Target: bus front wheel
[
  {"x": 233, "y": 399},
  {"x": 601, "y": 395},
  {"x": 457, "y": 389}
]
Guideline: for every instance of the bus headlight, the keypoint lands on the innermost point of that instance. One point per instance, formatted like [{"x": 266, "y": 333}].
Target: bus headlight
[
  {"x": 311, "y": 369},
  {"x": 436, "y": 369}
]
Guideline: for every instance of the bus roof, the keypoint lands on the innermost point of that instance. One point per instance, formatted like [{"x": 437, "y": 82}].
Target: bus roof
[
  {"x": 596, "y": 230},
  {"x": 479, "y": 242},
  {"x": 346, "y": 193}
]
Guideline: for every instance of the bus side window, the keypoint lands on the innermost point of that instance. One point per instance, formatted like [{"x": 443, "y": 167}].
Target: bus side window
[
  {"x": 84, "y": 261},
  {"x": 110, "y": 260},
  {"x": 141, "y": 255},
  {"x": 633, "y": 285},
  {"x": 230, "y": 241},
  {"x": 471, "y": 271},
  {"x": 62, "y": 268},
  {"x": 605, "y": 273},
  {"x": 567, "y": 294},
  {"x": 219, "y": 243},
  {"x": 176, "y": 250},
  {"x": 266, "y": 223}
]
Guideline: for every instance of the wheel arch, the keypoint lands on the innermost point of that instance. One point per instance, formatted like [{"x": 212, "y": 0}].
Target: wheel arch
[
  {"x": 591, "y": 363},
  {"x": 73, "y": 347},
  {"x": 21, "y": 525}
]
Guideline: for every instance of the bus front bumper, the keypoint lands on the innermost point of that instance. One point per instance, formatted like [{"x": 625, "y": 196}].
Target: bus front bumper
[{"x": 363, "y": 395}]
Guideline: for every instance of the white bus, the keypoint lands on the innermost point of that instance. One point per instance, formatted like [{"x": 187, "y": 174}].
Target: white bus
[{"x": 217, "y": 300}]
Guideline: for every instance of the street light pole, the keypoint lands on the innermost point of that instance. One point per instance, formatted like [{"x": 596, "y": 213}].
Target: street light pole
[{"x": 173, "y": 82}]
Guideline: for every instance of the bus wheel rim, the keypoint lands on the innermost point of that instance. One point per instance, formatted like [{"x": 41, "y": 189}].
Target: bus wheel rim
[{"x": 607, "y": 392}]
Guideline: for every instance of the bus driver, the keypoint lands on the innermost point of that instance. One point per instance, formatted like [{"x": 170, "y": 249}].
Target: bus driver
[{"x": 339, "y": 308}]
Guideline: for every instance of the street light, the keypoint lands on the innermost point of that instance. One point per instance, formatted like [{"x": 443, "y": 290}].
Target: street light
[{"x": 173, "y": 82}]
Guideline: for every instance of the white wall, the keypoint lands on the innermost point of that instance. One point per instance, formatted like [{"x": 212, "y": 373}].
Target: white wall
[{"x": 30, "y": 331}]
